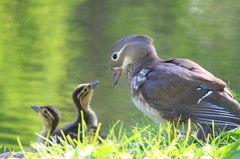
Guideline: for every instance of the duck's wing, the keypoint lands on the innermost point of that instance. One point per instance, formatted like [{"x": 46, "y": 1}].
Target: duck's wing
[
  {"x": 169, "y": 84},
  {"x": 171, "y": 81}
]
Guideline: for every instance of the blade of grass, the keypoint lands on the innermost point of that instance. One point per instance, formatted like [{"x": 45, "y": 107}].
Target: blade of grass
[
  {"x": 188, "y": 133},
  {"x": 21, "y": 147}
]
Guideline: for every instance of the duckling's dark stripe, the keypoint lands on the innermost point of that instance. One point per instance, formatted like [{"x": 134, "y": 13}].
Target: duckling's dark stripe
[
  {"x": 48, "y": 116},
  {"x": 84, "y": 95},
  {"x": 78, "y": 91}
]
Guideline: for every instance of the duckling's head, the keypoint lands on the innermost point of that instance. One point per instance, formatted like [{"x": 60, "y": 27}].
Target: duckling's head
[
  {"x": 49, "y": 115},
  {"x": 83, "y": 94},
  {"x": 91, "y": 132}
]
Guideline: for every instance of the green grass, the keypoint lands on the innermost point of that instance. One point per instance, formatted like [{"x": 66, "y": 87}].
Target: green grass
[
  {"x": 235, "y": 96},
  {"x": 144, "y": 140}
]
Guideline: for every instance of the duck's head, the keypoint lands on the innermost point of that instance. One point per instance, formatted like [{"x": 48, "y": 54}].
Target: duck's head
[
  {"x": 127, "y": 51},
  {"x": 49, "y": 115},
  {"x": 91, "y": 132},
  {"x": 83, "y": 94}
]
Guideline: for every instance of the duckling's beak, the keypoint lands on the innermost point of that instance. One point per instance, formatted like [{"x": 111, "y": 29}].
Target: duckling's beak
[
  {"x": 36, "y": 108},
  {"x": 116, "y": 73},
  {"x": 83, "y": 131},
  {"x": 93, "y": 85}
]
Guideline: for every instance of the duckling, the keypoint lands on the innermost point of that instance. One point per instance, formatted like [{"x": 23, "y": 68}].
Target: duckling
[
  {"x": 92, "y": 132},
  {"x": 81, "y": 96},
  {"x": 50, "y": 117}
]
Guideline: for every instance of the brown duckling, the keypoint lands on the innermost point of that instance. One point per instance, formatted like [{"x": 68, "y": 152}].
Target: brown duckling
[
  {"x": 81, "y": 96},
  {"x": 50, "y": 117},
  {"x": 92, "y": 132}
]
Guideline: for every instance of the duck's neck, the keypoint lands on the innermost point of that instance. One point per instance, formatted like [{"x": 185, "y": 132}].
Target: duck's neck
[
  {"x": 44, "y": 134},
  {"x": 86, "y": 113},
  {"x": 138, "y": 65}
]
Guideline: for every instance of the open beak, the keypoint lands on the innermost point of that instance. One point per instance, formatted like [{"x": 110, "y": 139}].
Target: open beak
[
  {"x": 116, "y": 75},
  {"x": 93, "y": 85},
  {"x": 36, "y": 108}
]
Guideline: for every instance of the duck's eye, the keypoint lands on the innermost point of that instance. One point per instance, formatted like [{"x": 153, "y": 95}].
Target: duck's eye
[
  {"x": 114, "y": 56},
  {"x": 85, "y": 89},
  {"x": 45, "y": 111}
]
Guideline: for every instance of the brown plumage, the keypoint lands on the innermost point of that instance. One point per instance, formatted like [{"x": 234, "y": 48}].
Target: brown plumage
[
  {"x": 81, "y": 96},
  {"x": 50, "y": 117},
  {"x": 170, "y": 89}
]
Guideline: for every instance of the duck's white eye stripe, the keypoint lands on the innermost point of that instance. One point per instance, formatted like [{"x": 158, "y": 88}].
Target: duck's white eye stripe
[
  {"x": 116, "y": 55},
  {"x": 120, "y": 51}
]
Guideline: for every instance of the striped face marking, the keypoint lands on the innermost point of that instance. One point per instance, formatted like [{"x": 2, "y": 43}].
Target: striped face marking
[
  {"x": 47, "y": 114},
  {"x": 83, "y": 92},
  {"x": 46, "y": 117},
  {"x": 85, "y": 95},
  {"x": 115, "y": 56}
]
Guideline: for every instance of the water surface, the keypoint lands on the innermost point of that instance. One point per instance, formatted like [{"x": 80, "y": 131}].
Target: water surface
[{"x": 48, "y": 48}]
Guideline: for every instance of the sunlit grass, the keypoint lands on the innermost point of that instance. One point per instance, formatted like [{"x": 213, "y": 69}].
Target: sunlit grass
[
  {"x": 235, "y": 96},
  {"x": 144, "y": 140}
]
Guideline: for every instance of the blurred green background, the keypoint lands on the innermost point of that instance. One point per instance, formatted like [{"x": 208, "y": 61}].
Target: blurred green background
[{"x": 47, "y": 48}]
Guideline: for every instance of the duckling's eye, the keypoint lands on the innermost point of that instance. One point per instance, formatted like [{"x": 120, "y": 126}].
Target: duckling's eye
[{"x": 114, "y": 56}]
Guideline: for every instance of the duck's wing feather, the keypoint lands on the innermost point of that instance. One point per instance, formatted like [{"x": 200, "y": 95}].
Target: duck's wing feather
[
  {"x": 198, "y": 73},
  {"x": 169, "y": 85},
  {"x": 206, "y": 110},
  {"x": 171, "y": 81}
]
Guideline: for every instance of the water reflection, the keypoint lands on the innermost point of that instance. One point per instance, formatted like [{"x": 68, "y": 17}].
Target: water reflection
[{"x": 48, "y": 48}]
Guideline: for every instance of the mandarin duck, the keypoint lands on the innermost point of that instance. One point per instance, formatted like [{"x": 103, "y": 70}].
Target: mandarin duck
[{"x": 174, "y": 89}]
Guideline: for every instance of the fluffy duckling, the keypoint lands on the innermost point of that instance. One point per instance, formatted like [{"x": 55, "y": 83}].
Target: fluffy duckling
[
  {"x": 81, "y": 96},
  {"x": 50, "y": 116}
]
